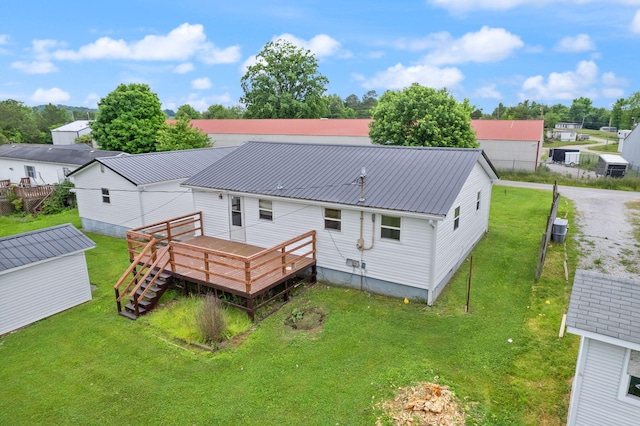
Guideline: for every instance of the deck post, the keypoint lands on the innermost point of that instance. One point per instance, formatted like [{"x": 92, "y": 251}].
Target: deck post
[
  {"x": 284, "y": 261},
  {"x": 172, "y": 258},
  {"x": 247, "y": 276},
  {"x": 206, "y": 266},
  {"x": 168, "y": 231},
  {"x": 313, "y": 244}
]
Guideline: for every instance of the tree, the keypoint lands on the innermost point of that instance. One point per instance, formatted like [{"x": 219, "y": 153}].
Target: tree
[
  {"x": 18, "y": 124},
  {"x": 337, "y": 108},
  {"x": 284, "y": 83},
  {"x": 422, "y": 116},
  {"x": 181, "y": 135},
  {"x": 369, "y": 101},
  {"x": 188, "y": 111},
  {"x": 128, "y": 119},
  {"x": 50, "y": 117},
  {"x": 626, "y": 112},
  {"x": 218, "y": 111}
]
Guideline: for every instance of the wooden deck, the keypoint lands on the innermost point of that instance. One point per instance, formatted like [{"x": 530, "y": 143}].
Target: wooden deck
[{"x": 254, "y": 275}]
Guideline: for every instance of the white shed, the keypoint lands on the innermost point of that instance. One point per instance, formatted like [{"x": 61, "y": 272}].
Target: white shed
[
  {"x": 67, "y": 134},
  {"x": 42, "y": 273},
  {"x": 631, "y": 149},
  {"x": 391, "y": 220},
  {"x": 604, "y": 311},
  {"x": 119, "y": 193}
]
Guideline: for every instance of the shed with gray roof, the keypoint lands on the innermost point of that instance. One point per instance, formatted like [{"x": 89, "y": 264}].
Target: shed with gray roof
[
  {"x": 119, "y": 193},
  {"x": 45, "y": 164},
  {"x": 393, "y": 220},
  {"x": 604, "y": 311},
  {"x": 42, "y": 273}
]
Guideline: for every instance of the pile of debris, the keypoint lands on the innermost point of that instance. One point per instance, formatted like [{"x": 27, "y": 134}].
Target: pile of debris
[{"x": 424, "y": 404}]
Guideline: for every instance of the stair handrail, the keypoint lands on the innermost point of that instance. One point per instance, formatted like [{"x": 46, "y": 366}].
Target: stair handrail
[
  {"x": 150, "y": 269},
  {"x": 149, "y": 247}
]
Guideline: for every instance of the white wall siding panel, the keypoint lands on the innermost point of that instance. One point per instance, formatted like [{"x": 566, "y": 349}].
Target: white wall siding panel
[
  {"x": 215, "y": 213},
  {"x": 453, "y": 246},
  {"x": 38, "y": 291},
  {"x": 512, "y": 155},
  {"x": 598, "y": 402},
  {"x": 631, "y": 149},
  {"x": 124, "y": 209},
  {"x": 46, "y": 173},
  {"x": 165, "y": 200}
]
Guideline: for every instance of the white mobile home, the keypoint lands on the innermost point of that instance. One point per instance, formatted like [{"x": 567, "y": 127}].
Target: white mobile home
[
  {"x": 67, "y": 134},
  {"x": 392, "y": 220},
  {"x": 119, "y": 193},
  {"x": 42, "y": 273},
  {"x": 604, "y": 311},
  {"x": 631, "y": 149}
]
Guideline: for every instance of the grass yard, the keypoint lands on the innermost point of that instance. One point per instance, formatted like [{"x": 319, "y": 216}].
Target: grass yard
[{"x": 503, "y": 360}]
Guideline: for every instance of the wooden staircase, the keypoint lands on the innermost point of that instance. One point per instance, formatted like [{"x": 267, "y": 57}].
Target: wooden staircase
[{"x": 144, "y": 282}]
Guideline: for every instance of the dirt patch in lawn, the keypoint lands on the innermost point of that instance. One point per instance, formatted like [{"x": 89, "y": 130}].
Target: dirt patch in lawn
[
  {"x": 424, "y": 404},
  {"x": 309, "y": 318}
]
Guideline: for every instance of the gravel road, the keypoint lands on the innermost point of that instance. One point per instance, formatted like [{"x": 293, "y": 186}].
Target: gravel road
[{"x": 605, "y": 230}]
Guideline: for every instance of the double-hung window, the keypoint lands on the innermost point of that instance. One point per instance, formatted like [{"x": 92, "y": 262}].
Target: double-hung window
[
  {"x": 390, "y": 227},
  {"x": 333, "y": 219},
  {"x": 265, "y": 208},
  {"x": 106, "y": 197},
  {"x": 456, "y": 219}
]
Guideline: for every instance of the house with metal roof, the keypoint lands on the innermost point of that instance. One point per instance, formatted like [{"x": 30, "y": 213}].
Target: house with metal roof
[
  {"x": 604, "y": 311},
  {"x": 119, "y": 193},
  {"x": 45, "y": 164},
  {"x": 67, "y": 134},
  {"x": 42, "y": 273},
  {"x": 391, "y": 220},
  {"x": 631, "y": 149},
  {"x": 509, "y": 144}
]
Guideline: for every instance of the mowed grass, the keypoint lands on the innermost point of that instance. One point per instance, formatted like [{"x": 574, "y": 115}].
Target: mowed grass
[{"x": 90, "y": 366}]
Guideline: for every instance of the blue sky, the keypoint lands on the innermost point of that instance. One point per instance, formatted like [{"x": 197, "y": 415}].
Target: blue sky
[{"x": 195, "y": 52}]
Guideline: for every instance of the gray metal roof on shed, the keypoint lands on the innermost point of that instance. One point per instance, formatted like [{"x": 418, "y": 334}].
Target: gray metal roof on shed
[
  {"x": 74, "y": 126},
  {"x": 153, "y": 167},
  {"x": 409, "y": 179},
  {"x": 35, "y": 246},
  {"x": 605, "y": 305},
  {"x": 68, "y": 154}
]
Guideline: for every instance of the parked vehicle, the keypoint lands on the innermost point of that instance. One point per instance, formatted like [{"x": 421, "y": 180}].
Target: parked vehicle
[
  {"x": 569, "y": 157},
  {"x": 583, "y": 137},
  {"x": 611, "y": 165}
]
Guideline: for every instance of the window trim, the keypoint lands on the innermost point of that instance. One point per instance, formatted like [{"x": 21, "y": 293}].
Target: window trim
[
  {"x": 30, "y": 171},
  {"x": 268, "y": 212},
  {"x": 625, "y": 378},
  {"x": 337, "y": 221},
  {"x": 478, "y": 199},
  {"x": 106, "y": 196},
  {"x": 236, "y": 213},
  {"x": 456, "y": 218},
  {"x": 391, "y": 228}
]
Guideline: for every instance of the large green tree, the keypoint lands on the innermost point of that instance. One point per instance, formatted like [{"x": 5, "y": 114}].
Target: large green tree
[
  {"x": 181, "y": 135},
  {"x": 128, "y": 119},
  {"x": 218, "y": 111},
  {"x": 18, "y": 123},
  {"x": 284, "y": 83},
  {"x": 422, "y": 116},
  {"x": 626, "y": 112},
  {"x": 188, "y": 111}
]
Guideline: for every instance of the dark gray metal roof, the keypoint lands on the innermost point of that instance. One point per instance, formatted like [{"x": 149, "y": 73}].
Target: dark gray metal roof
[
  {"x": 410, "y": 179},
  {"x": 606, "y": 305},
  {"x": 35, "y": 246},
  {"x": 59, "y": 154},
  {"x": 153, "y": 167}
]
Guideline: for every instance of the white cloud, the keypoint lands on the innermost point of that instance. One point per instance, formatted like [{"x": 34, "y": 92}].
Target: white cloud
[
  {"x": 4, "y": 40},
  {"x": 488, "y": 92},
  {"x": 612, "y": 93},
  {"x": 184, "y": 68},
  {"x": 179, "y": 44},
  {"x": 579, "y": 43},
  {"x": 468, "y": 5},
  {"x": 201, "y": 103},
  {"x": 321, "y": 45},
  {"x": 399, "y": 76},
  {"x": 35, "y": 67},
  {"x": 486, "y": 45},
  {"x": 91, "y": 100},
  {"x": 566, "y": 85},
  {"x": 610, "y": 79},
  {"x": 53, "y": 96},
  {"x": 201, "y": 83},
  {"x": 635, "y": 23}
]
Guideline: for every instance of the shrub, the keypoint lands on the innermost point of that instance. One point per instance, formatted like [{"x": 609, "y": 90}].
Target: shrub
[
  {"x": 211, "y": 320},
  {"x": 61, "y": 199}
]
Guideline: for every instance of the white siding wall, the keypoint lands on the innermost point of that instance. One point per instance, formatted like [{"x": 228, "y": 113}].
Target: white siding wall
[
  {"x": 631, "y": 149},
  {"x": 516, "y": 155},
  {"x": 452, "y": 246},
  {"x": 405, "y": 262},
  {"x": 47, "y": 173},
  {"x": 38, "y": 291},
  {"x": 67, "y": 138},
  {"x": 124, "y": 208},
  {"x": 219, "y": 140},
  {"x": 165, "y": 200},
  {"x": 596, "y": 399}
]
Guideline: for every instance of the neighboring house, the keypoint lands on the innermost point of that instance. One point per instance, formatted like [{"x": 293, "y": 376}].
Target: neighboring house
[
  {"x": 564, "y": 125},
  {"x": 563, "y": 135},
  {"x": 45, "y": 164},
  {"x": 631, "y": 149},
  {"x": 604, "y": 311},
  {"x": 392, "y": 220},
  {"x": 67, "y": 134},
  {"x": 115, "y": 194},
  {"x": 42, "y": 273},
  {"x": 509, "y": 144}
]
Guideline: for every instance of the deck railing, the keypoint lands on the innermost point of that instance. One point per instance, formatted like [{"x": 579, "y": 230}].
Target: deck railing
[
  {"x": 33, "y": 191},
  {"x": 163, "y": 232}
]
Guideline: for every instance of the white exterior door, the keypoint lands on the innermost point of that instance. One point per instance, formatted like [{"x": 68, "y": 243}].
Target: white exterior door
[{"x": 236, "y": 219}]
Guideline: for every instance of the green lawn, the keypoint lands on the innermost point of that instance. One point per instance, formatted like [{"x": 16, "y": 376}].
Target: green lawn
[{"x": 90, "y": 366}]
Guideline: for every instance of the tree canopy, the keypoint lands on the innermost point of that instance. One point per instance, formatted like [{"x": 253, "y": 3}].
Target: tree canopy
[
  {"x": 188, "y": 111},
  {"x": 218, "y": 111},
  {"x": 19, "y": 123},
  {"x": 128, "y": 119},
  {"x": 284, "y": 83},
  {"x": 181, "y": 135},
  {"x": 422, "y": 116},
  {"x": 626, "y": 112}
]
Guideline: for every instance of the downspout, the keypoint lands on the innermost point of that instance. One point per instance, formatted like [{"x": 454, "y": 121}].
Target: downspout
[
  {"x": 142, "y": 219},
  {"x": 360, "y": 243},
  {"x": 432, "y": 267}
]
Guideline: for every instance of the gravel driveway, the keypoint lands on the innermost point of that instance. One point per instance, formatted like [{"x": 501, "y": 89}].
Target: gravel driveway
[{"x": 605, "y": 232}]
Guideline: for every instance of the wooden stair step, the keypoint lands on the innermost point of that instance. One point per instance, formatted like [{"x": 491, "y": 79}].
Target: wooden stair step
[
  {"x": 127, "y": 314},
  {"x": 131, "y": 308}
]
